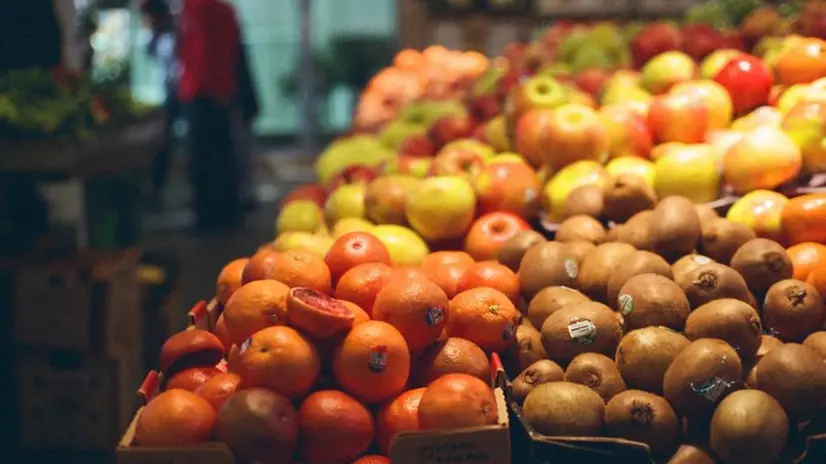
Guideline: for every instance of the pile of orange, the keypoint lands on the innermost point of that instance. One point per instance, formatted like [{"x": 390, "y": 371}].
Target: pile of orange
[{"x": 348, "y": 351}]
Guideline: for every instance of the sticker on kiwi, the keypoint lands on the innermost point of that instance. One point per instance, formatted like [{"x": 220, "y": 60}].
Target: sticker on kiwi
[
  {"x": 712, "y": 389},
  {"x": 509, "y": 332},
  {"x": 245, "y": 346},
  {"x": 625, "y": 303},
  {"x": 700, "y": 259},
  {"x": 571, "y": 268},
  {"x": 582, "y": 331},
  {"x": 435, "y": 315},
  {"x": 377, "y": 361}
]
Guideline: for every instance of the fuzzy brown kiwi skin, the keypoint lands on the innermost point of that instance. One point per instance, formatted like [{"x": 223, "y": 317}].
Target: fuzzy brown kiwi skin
[
  {"x": 674, "y": 229},
  {"x": 579, "y": 249},
  {"x": 722, "y": 238},
  {"x": 687, "y": 264},
  {"x": 527, "y": 350},
  {"x": 562, "y": 348},
  {"x": 640, "y": 416},
  {"x": 652, "y": 300},
  {"x": 711, "y": 282},
  {"x": 542, "y": 371},
  {"x": 749, "y": 426},
  {"x": 767, "y": 343},
  {"x": 564, "y": 409},
  {"x": 795, "y": 375},
  {"x": 551, "y": 299},
  {"x": 691, "y": 454},
  {"x": 580, "y": 227},
  {"x": 730, "y": 320},
  {"x": 597, "y": 372},
  {"x": 762, "y": 263},
  {"x": 792, "y": 310},
  {"x": 697, "y": 367},
  {"x": 706, "y": 214},
  {"x": 586, "y": 200},
  {"x": 626, "y": 195},
  {"x": 635, "y": 231},
  {"x": 598, "y": 267},
  {"x": 644, "y": 355},
  {"x": 817, "y": 341},
  {"x": 546, "y": 265},
  {"x": 641, "y": 262},
  {"x": 515, "y": 247}
]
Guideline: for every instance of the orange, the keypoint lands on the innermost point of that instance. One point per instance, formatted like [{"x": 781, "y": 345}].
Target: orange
[
  {"x": 805, "y": 257},
  {"x": 229, "y": 279},
  {"x": 373, "y": 362},
  {"x": 457, "y": 401},
  {"x": 818, "y": 278},
  {"x": 353, "y": 249},
  {"x": 362, "y": 283},
  {"x": 451, "y": 356},
  {"x": 401, "y": 414},
  {"x": 175, "y": 418},
  {"x": 301, "y": 268},
  {"x": 372, "y": 459},
  {"x": 255, "y": 306},
  {"x": 217, "y": 389},
  {"x": 804, "y": 219},
  {"x": 279, "y": 359},
  {"x": 317, "y": 314},
  {"x": 360, "y": 316},
  {"x": 190, "y": 348},
  {"x": 409, "y": 272},
  {"x": 222, "y": 333},
  {"x": 446, "y": 268},
  {"x": 491, "y": 274},
  {"x": 333, "y": 428},
  {"x": 489, "y": 233},
  {"x": 192, "y": 378},
  {"x": 418, "y": 308},
  {"x": 408, "y": 59},
  {"x": 259, "y": 264},
  {"x": 484, "y": 316}
]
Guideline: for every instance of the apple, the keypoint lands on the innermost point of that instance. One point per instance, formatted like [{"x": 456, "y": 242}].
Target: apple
[
  {"x": 441, "y": 207},
  {"x": 628, "y": 132},
  {"x": 716, "y": 98},
  {"x": 385, "y": 198},
  {"x": 764, "y": 158},
  {"x": 537, "y": 92},
  {"x": 351, "y": 224},
  {"x": 507, "y": 157},
  {"x": 485, "y": 107},
  {"x": 416, "y": 145},
  {"x": 489, "y": 233},
  {"x": 765, "y": 116},
  {"x": 632, "y": 165},
  {"x": 508, "y": 186},
  {"x": 652, "y": 40},
  {"x": 723, "y": 139},
  {"x": 813, "y": 20},
  {"x": 575, "y": 133},
  {"x": 692, "y": 171},
  {"x": 760, "y": 23},
  {"x": 470, "y": 145},
  {"x": 300, "y": 216},
  {"x": 591, "y": 80},
  {"x": 406, "y": 247},
  {"x": 315, "y": 244},
  {"x": 805, "y": 123},
  {"x": 529, "y": 134},
  {"x": 457, "y": 162},
  {"x": 345, "y": 201},
  {"x": 313, "y": 192},
  {"x": 791, "y": 96},
  {"x": 713, "y": 63},
  {"x": 701, "y": 40},
  {"x": 665, "y": 70},
  {"x": 564, "y": 181},
  {"x": 354, "y": 174},
  {"x": 678, "y": 117},
  {"x": 762, "y": 211},
  {"x": 495, "y": 133},
  {"x": 802, "y": 60},
  {"x": 748, "y": 81},
  {"x": 450, "y": 128},
  {"x": 417, "y": 166}
]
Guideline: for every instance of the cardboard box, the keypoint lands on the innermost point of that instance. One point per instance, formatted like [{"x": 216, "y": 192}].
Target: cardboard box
[{"x": 479, "y": 445}]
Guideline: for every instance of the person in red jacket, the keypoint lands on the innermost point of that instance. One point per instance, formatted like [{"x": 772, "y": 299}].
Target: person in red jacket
[{"x": 208, "y": 55}]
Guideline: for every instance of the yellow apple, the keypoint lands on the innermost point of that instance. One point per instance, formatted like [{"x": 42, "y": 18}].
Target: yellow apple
[
  {"x": 351, "y": 224},
  {"x": 405, "y": 246},
  {"x": 632, "y": 165},
  {"x": 691, "y": 171},
  {"x": 441, "y": 207},
  {"x": 713, "y": 63},
  {"x": 762, "y": 210},
  {"x": 764, "y": 158},
  {"x": 791, "y": 97},
  {"x": 507, "y": 157},
  {"x": 299, "y": 216},
  {"x": 316, "y": 244},
  {"x": 567, "y": 179},
  {"x": 345, "y": 201},
  {"x": 716, "y": 97}
]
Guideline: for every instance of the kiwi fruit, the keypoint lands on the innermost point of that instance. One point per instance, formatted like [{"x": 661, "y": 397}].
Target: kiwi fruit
[
  {"x": 598, "y": 267},
  {"x": 705, "y": 213},
  {"x": 701, "y": 375},
  {"x": 691, "y": 454},
  {"x": 566, "y": 409},
  {"x": 581, "y": 328},
  {"x": 549, "y": 300},
  {"x": 795, "y": 375},
  {"x": 817, "y": 341},
  {"x": 641, "y": 262},
  {"x": 528, "y": 348},
  {"x": 635, "y": 231},
  {"x": 687, "y": 264},
  {"x": 643, "y": 417},
  {"x": 515, "y": 247},
  {"x": 767, "y": 343},
  {"x": 580, "y": 227},
  {"x": 711, "y": 282},
  {"x": 542, "y": 371},
  {"x": 722, "y": 238},
  {"x": 625, "y": 195},
  {"x": 546, "y": 265},
  {"x": 749, "y": 427},
  {"x": 579, "y": 249},
  {"x": 586, "y": 200},
  {"x": 674, "y": 228},
  {"x": 730, "y": 320},
  {"x": 652, "y": 300},
  {"x": 643, "y": 356},
  {"x": 792, "y": 310},
  {"x": 597, "y": 372},
  {"x": 762, "y": 263}
]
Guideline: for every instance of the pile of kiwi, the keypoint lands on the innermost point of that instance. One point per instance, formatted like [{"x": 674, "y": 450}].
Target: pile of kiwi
[{"x": 658, "y": 321}]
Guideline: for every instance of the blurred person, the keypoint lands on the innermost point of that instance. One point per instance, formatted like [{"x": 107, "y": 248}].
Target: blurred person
[
  {"x": 158, "y": 18},
  {"x": 245, "y": 111},
  {"x": 208, "y": 54}
]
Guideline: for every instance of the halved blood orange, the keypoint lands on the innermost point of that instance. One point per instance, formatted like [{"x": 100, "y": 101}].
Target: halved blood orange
[{"x": 316, "y": 313}]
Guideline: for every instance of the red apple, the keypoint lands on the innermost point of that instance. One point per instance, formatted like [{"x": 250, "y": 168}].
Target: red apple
[
  {"x": 628, "y": 131},
  {"x": 508, "y": 186},
  {"x": 406, "y": 164},
  {"x": 355, "y": 174},
  {"x": 485, "y": 107},
  {"x": 748, "y": 80},
  {"x": 450, "y": 128},
  {"x": 678, "y": 117},
  {"x": 764, "y": 158},
  {"x": 489, "y": 233},
  {"x": 574, "y": 133},
  {"x": 457, "y": 162},
  {"x": 813, "y": 20},
  {"x": 416, "y": 145},
  {"x": 716, "y": 98},
  {"x": 653, "y": 40},
  {"x": 313, "y": 192},
  {"x": 591, "y": 80},
  {"x": 702, "y": 39},
  {"x": 529, "y": 134}
]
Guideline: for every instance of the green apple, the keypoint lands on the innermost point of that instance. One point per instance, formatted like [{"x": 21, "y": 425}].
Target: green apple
[
  {"x": 441, "y": 207},
  {"x": 537, "y": 92}
]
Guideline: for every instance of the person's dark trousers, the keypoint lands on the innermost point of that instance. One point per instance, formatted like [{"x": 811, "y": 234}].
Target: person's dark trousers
[
  {"x": 163, "y": 158},
  {"x": 212, "y": 164}
]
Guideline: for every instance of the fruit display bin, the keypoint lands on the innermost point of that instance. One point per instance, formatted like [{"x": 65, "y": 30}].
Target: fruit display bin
[{"x": 483, "y": 445}]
